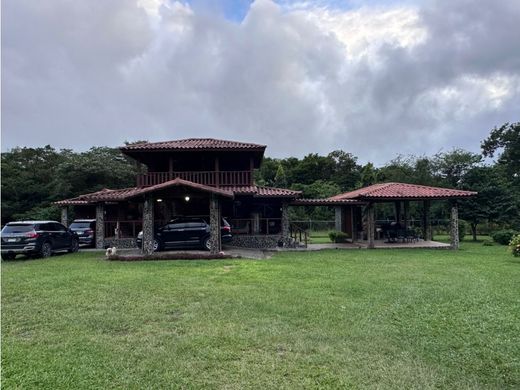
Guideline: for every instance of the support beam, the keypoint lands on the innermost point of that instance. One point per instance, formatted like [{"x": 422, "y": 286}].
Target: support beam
[
  {"x": 397, "y": 206},
  {"x": 214, "y": 225},
  {"x": 353, "y": 211},
  {"x": 65, "y": 216},
  {"x": 426, "y": 223},
  {"x": 148, "y": 234},
  {"x": 454, "y": 226},
  {"x": 170, "y": 167},
  {"x": 286, "y": 235},
  {"x": 371, "y": 225},
  {"x": 217, "y": 172},
  {"x": 100, "y": 226},
  {"x": 406, "y": 213}
]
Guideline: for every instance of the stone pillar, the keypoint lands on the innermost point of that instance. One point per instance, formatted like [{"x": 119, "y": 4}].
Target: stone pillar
[
  {"x": 214, "y": 225},
  {"x": 338, "y": 225},
  {"x": 426, "y": 223},
  {"x": 285, "y": 223},
  {"x": 406, "y": 213},
  {"x": 397, "y": 207},
  {"x": 454, "y": 226},
  {"x": 148, "y": 236},
  {"x": 354, "y": 223},
  {"x": 100, "y": 226},
  {"x": 371, "y": 225},
  {"x": 65, "y": 216}
]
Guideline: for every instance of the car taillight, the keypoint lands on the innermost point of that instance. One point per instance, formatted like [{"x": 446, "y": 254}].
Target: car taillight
[
  {"x": 226, "y": 228},
  {"x": 32, "y": 234},
  {"x": 89, "y": 232}
]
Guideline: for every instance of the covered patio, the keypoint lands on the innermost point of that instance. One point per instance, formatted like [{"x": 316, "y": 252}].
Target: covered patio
[{"x": 355, "y": 213}]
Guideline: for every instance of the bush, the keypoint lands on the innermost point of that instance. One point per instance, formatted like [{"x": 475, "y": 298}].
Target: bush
[
  {"x": 337, "y": 237},
  {"x": 503, "y": 237},
  {"x": 463, "y": 229},
  {"x": 514, "y": 244}
]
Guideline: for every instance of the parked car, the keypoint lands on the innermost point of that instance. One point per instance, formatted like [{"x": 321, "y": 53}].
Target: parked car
[
  {"x": 86, "y": 231},
  {"x": 185, "y": 233},
  {"x": 36, "y": 238}
]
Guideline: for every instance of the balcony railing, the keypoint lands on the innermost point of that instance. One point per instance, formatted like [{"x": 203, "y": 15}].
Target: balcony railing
[{"x": 209, "y": 178}]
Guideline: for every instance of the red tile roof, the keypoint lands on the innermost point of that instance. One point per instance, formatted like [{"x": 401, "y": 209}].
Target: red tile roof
[
  {"x": 107, "y": 195},
  {"x": 327, "y": 202},
  {"x": 397, "y": 191},
  {"x": 191, "y": 144}
]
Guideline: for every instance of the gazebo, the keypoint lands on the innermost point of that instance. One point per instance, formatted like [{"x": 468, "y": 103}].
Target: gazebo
[{"x": 349, "y": 214}]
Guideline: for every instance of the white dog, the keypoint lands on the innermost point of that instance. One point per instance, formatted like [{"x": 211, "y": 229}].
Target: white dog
[{"x": 111, "y": 251}]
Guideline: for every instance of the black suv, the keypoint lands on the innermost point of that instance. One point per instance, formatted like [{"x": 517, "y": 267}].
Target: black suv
[
  {"x": 36, "y": 238},
  {"x": 185, "y": 233},
  {"x": 86, "y": 230}
]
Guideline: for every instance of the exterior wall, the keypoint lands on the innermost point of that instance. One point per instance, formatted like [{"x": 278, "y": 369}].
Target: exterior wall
[
  {"x": 121, "y": 243},
  {"x": 257, "y": 241}
]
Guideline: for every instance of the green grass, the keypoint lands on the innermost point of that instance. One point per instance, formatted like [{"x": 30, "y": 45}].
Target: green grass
[
  {"x": 319, "y": 237},
  {"x": 333, "y": 319}
]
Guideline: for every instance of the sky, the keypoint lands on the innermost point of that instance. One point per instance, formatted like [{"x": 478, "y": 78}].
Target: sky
[{"x": 374, "y": 78}]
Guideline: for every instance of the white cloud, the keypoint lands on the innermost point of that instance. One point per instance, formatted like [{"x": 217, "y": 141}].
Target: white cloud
[{"x": 375, "y": 81}]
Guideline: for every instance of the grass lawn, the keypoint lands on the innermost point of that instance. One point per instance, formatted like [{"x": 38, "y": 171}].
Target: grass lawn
[{"x": 332, "y": 319}]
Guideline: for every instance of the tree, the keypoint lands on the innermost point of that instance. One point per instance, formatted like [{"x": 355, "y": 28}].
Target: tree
[
  {"x": 346, "y": 173},
  {"x": 506, "y": 138},
  {"x": 280, "y": 180},
  {"x": 453, "y": 166}
]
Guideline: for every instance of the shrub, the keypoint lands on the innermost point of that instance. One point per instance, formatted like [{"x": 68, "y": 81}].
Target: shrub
[
  {"x": 503, "y": 236},
  {"x": 514, "y": 244},
  {"x": 336, "y": 236}
]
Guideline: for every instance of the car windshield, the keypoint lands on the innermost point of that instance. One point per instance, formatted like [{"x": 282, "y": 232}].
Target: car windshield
[
  {"x": 80, "y": 225},
  {"x": 17, "y": 228}
]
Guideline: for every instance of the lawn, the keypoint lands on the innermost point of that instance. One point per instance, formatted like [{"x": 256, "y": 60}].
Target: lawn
[{"x": 332, "y": 319}]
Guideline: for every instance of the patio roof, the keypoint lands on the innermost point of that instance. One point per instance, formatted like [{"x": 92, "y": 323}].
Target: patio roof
[
  {"x": 327, "y": 202},
  {"x": 403, "y": 191},
  {"x": 194, "y": 144},
  {"x": 108, "y": 195}
]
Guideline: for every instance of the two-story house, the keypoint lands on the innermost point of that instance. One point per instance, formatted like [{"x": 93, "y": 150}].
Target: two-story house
[{"x": 190, "y": 177}]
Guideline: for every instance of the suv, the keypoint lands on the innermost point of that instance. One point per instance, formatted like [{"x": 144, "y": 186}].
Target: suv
[
  {"x": 86, "y": 230},
  {"x": 185, "y": 233},
  {"x": 36, "y": 238}
]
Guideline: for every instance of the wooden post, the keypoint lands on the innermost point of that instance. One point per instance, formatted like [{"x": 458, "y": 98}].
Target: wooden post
[
  {"x": 406, "y": 213},
  {"x": 148, "y": 234},
  {"x": 427, "y": 227},
  {"x": 100, "y": 226},
  {"x": 353, "y": 219},
  {"x": 397, "y": 206},
  {"x": 454, "y": 226},
  {"x": 65, "y": 216},
  {"x": 217, "y": 172},
  {"x": 170, "y": 168},
  {"x": 371, "y": 225},
  {"x": 251, "y": 170},
  {"x": 214, "y": 225}
]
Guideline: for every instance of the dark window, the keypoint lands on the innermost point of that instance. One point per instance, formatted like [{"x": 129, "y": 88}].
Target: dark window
[
  {"x": 19, "y": 228},
  {"x": 80, "y": 225}
]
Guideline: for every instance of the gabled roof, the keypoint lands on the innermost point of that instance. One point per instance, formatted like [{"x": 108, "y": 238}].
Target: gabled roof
[
  {"x": 327, "y": 202},
  {"x": 194, "y": 144},
  {"x": 396, "y": 191},
  {"x": 107, "y": 195}
]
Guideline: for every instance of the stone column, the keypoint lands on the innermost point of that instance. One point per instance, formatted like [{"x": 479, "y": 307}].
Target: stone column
[
  {"x": 214, "y": 225},
  {"x": 454, "y": 226},
  {"x": 100, "y": 226},
  {"x": 148, "y": 216},
  {"x": 65, "y": 216},
  {"x": 285, "y": 223},
  {"x": 406, "y": 213},
  {"x": 371, "y": 225},
  {"x": 338, "y": 225},
  {"x": 427, "y": 226}
]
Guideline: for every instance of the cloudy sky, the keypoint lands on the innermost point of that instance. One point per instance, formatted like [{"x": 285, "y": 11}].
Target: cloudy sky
[{"x": 375, "y": 78}]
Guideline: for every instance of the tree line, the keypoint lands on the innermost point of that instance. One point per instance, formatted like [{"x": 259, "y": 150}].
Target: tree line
[{"x": 33, "y": 178}]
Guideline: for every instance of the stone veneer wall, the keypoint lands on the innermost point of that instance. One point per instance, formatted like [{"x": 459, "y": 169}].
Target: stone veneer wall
[
  {"x": 120, "y": 243},
  {"x": 259, "y": 241}
]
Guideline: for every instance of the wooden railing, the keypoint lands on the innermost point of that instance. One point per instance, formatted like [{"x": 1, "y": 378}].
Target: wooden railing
[
  {"x": 262, "y": 226},
  {"x": 209, "y": 178},
  {"x": 298, "y": 234}
]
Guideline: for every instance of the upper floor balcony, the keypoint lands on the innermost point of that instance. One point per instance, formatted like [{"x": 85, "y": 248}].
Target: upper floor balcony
[{"x": 209, "y": 178}]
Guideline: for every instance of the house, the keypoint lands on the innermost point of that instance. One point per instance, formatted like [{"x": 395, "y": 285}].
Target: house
[{"x": 190, "y": 177}]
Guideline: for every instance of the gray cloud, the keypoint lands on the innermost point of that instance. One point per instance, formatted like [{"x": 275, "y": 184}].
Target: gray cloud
[{"x": 76, "y": 74}]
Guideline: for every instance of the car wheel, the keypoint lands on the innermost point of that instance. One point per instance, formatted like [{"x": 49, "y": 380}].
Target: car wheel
[
  {"x": 8, "y": 256},
  {"x": 46, "y": 250},
  {"x": 156, "y": 245},
  {"x": 74, "y": 246},
  {"x": 206, "y": 244}
]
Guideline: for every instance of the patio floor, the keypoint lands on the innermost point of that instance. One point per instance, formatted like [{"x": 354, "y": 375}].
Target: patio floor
[{"x": 379, "y": 244}]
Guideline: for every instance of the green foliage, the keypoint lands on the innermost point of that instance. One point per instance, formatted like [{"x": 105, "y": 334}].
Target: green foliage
[
  {"x": 338, "y": 237},
  {"x": 463, "y": 228},
  {"x": 514, "y": 245},
  {"x": 503, "y": 237}
]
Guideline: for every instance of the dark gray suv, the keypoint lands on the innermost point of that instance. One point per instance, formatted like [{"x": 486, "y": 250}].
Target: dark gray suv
[{"x": 36, "y": 239}]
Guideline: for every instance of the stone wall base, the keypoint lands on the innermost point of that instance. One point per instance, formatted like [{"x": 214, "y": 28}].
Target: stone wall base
[
  {"x": 120, "y": 243},
  {"x": 262, "y": 241}
]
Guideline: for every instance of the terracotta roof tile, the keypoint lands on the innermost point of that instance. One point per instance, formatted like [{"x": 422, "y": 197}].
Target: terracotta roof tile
[
  {"x": 403, "y": 191},
  {"x": 327, "y": 202},
  {"x": 191, "y": 144},
  {"x": 260, "y": 191}
]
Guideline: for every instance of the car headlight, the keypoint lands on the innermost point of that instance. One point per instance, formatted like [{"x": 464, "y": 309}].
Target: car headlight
[{"x": 140, "y": 235}]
